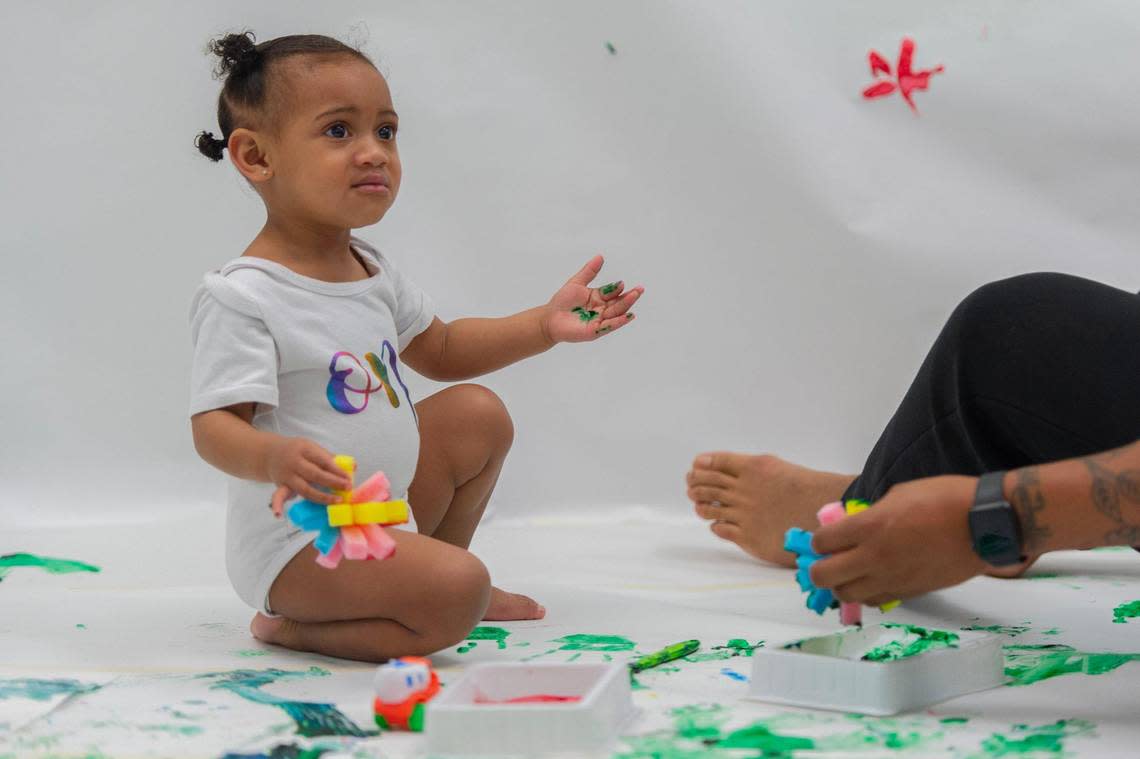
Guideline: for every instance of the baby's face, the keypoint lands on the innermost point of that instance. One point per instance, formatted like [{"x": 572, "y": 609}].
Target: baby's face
[{"x": 334, "y": 157}]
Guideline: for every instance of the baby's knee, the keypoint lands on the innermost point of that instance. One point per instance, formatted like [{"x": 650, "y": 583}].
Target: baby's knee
[
  {"x": 487, "y": 411},
  {"x": 460, "y": 598}
]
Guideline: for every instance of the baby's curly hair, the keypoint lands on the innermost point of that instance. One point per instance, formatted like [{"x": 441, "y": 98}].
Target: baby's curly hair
[{"x": 252, "y": 91}]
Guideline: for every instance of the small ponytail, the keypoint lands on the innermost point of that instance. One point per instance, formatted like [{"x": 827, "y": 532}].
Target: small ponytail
[
  {"x": 210, "y": 146},
  {"x": 237, "y": 54}
]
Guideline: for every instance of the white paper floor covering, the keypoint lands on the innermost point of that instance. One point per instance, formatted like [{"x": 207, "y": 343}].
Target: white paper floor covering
[{"x": 151, "y": 656}]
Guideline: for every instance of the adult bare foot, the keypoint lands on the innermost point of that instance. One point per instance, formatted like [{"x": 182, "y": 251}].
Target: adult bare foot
[
  {"x": 506, "y": 606},
  {"x": 753, "y": 500}
]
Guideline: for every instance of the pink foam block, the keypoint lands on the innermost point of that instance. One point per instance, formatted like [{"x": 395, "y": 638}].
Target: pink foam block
[
  {"x": 375, "y": 488},
  {"x": 331, "y": 559},
  {"x": 849, "y": 613},
  {"x": 355, "y": 545},
  {"x": 380, "y": 543}
]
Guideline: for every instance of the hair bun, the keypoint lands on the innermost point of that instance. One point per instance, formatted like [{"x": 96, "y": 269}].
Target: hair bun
[
  {"x": 210, "y": 146},
  {"x": 237, "y": 53}
]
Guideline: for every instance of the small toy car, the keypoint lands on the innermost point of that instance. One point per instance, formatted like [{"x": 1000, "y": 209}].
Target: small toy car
[{"x": 402, "y": 687}]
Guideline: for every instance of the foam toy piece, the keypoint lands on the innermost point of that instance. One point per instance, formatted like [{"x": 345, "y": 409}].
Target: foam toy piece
[
  {"x": 849, "y": 613},
  {"x": 799, "y": 542},
  {"x": 352, "y": 528},
  {"x": 402, "y": 688}
]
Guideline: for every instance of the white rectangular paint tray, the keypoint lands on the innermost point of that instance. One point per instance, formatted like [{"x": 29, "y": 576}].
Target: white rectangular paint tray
[
  {"x": 460, "y": 723},
  {"x": 829, "y": 672}
]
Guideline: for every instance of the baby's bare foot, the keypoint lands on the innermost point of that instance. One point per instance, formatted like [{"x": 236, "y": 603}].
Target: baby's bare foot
[
  {"x": 753, "y": 500},
  {"x": 506, "y": 606},
  {"x": 268, "y": 629}
]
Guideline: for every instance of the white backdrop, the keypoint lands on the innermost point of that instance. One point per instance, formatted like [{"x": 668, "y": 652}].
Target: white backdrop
[{"x": 801, "y": 246}]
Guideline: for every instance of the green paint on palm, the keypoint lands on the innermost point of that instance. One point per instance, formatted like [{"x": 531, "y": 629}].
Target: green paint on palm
[
  {"x": 1043, "y": 739},
  {"x": 55, "y": 566},
  {"x": 1025, "y": 665},
  {"x": 497, "y": 634},
  {"x": 584, "y": 642},
  {"x": 584, "y": 315},
  {"x": 1124, "y": 612},
  {"x": 919, "y": 640}
]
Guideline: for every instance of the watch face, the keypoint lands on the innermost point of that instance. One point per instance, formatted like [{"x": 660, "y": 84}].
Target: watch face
[
  {"x": 994, "y": 529},
  {"x": 994, "y": 545}
]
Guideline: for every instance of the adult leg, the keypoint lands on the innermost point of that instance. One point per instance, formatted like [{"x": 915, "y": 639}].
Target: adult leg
[{"x": 1029, "y": 369}]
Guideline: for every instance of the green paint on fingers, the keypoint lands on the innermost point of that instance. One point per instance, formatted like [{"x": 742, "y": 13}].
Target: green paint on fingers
[{"x": 607, "y": 289}]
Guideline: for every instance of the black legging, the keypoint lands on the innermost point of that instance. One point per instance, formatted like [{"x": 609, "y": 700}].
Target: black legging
[{"x": 1027, "y": 370}]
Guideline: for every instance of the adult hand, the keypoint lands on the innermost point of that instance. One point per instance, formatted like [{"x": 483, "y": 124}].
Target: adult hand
[{"x": 914, "y": 540}]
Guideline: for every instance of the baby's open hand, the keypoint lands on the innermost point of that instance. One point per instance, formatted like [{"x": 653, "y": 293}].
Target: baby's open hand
[
  {"x": 298, "y": 466},
  {"x": 578, "y": 313}
]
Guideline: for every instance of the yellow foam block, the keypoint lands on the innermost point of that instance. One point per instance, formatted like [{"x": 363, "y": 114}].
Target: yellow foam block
[
  {"x": 340, "y": 514},
  {"x": 380, "y": 512},
  {"x": 856, "y": 507},
  {"x": 346, "y": 464},
  {"x": 889, "y": 605}
]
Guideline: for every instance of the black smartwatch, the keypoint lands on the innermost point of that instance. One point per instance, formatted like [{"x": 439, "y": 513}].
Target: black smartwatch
[{"x": 994, "y": 527}]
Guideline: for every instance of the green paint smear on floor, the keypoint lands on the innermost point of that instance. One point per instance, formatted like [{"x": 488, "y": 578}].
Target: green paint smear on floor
[
  {"x": 1025, "y": 665},
  {"x": 497, "y": 634},
  {"x": 924, "y": 640},
  {"x": 699, "y": 731},
  {"x": 1025, "y": 740},
  {"x": 954, "y": 720},
  {"x": 311, "y": 719},
  {"x": 248, "y": 652},
  {"x": 10, "y": 561},
  {"x": 1124, "y": 612},
  {"x": 699, "y": 722},
  {"x": 733, "y": 648},
  {"x": 285, "y": 751},
  {"x": 43, "y": 690},
  {"x": 584, "y": 642},
  {"x": 1010, "y": 630}
]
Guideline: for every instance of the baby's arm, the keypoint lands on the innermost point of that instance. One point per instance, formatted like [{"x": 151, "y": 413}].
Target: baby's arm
[
  {"x": 472, "y": 347},
  {"x": 227, "y": 439}
]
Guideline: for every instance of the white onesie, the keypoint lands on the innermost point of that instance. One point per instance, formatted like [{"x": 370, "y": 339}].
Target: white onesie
[{"x": 320, "y": 360}]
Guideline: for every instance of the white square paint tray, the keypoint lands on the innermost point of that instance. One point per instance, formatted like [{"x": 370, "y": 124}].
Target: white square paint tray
[
  {"x": 474, "y": 717},
  {"x": 916, "y": 667}
]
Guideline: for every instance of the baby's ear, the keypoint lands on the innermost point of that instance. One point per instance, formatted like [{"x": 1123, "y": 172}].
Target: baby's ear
[{"x": 248, "y": 155}]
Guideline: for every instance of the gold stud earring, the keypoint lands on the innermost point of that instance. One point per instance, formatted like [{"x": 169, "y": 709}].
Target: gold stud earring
[{"x": 265, "y": 171}]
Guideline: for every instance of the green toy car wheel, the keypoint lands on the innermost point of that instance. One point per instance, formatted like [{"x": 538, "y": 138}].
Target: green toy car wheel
[{"x": 416, "y": 721}]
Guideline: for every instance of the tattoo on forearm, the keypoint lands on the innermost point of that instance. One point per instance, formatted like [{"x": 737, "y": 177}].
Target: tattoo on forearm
[
  {"x": 1112, "y": 491},
  {"x": 1029, "y": 501}
]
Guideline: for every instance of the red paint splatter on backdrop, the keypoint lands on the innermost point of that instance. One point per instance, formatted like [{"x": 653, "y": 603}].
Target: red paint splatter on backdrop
[{"x": 907, "y": 79}]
